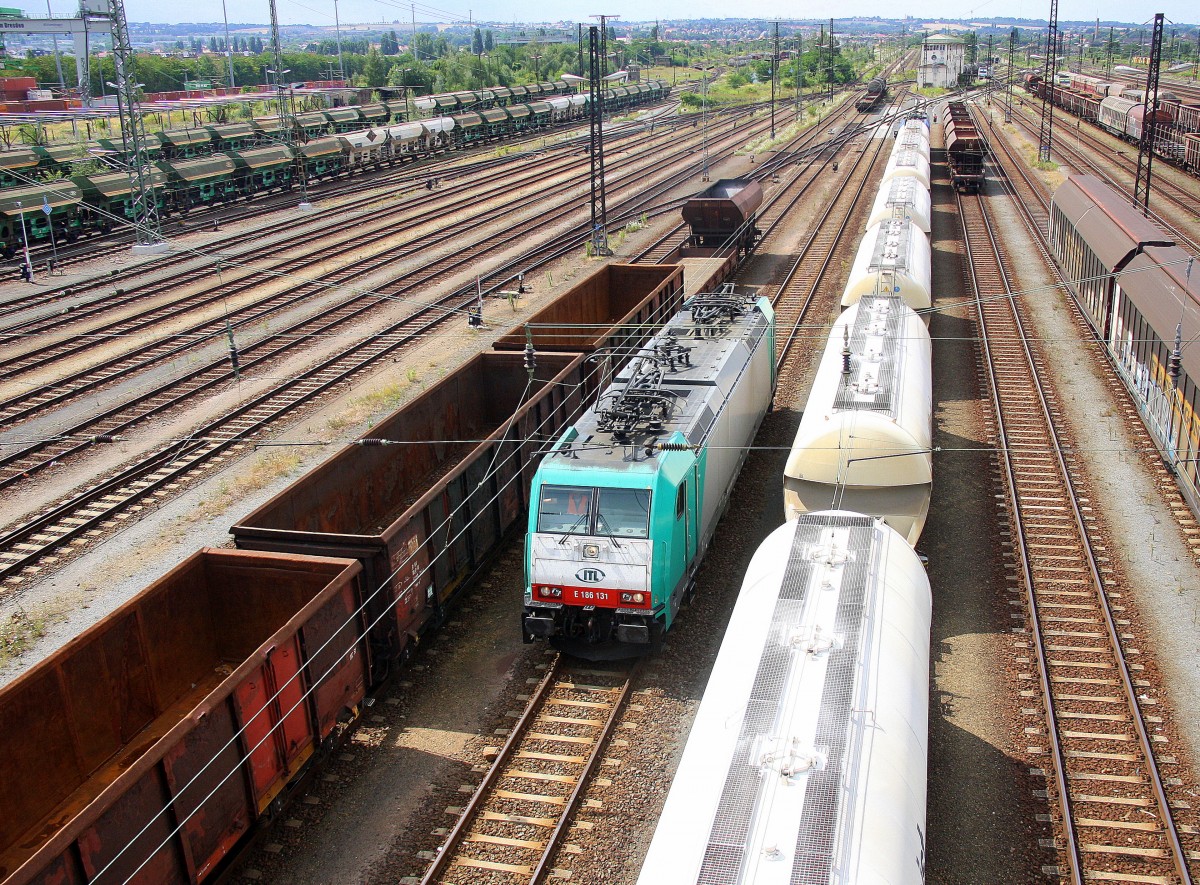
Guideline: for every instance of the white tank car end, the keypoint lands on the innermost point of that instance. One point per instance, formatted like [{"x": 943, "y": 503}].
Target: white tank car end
[
  {"x": 807, "y": 758},
  {"x": 894, "y": 258},
  {"x": 865, "y": 440}
]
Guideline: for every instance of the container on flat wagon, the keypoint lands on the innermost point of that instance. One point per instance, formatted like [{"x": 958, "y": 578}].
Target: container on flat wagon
[
  {"x": 618, "y": 306},
  {"x": 424, "y": 512},
  {"x": 244, "y": 660}
]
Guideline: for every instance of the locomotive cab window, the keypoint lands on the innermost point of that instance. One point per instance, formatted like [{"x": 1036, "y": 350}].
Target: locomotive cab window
[
  {"x": 624, "y": 513},
  {"x": 565, "y": 510},
  {"x": 681, "y": 501}
]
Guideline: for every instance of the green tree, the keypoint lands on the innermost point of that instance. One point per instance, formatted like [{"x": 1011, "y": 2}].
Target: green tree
[
  {"x": 375, "y": 71},
  {"x": 212, "y": 44},
  {"x": 477, "y": 42},
  {"x": 489, "y": 42}
]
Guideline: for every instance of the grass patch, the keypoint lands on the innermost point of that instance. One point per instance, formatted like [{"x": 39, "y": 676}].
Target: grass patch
[
  {"x": 261, "y": 473},
  {"x": 21, "y": 630},
  {"x": 362, "y": 407}
]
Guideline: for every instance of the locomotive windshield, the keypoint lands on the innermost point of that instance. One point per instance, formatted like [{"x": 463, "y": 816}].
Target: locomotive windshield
[
  {"x": 573, "y": 510},
  {"x": 565, "y": 510},
  {"x": 624, "y": 512}
]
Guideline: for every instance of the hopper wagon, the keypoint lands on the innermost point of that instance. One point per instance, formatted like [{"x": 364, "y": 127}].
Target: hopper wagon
[{"x": 723, "y": 215}]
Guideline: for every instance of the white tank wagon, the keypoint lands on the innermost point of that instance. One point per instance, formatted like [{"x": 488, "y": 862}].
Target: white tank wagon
[
  {"x": 893, "y": 258},
  {"x": 807, "y": 758},
  {"x": 907, "y": 163},
  {"x": 902, "y": 197},
  {"x": 864, "y": 443},
  {"x": 912, "y": 136}
]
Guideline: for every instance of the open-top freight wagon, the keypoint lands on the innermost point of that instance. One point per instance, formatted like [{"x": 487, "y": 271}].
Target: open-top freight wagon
[
  {"x": 966, "y": 148},
  {"x": 146, "y": 748}
]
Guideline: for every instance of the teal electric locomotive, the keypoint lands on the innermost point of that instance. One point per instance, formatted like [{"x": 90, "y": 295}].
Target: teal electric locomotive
[{"x": 625, "y": 503}]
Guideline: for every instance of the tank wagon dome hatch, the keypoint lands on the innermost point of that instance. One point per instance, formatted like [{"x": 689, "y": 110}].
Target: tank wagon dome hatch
[
  {"x": 865, "y": 439},
  {"x": 806, "y": 761},
  {"x": 909, "y": 163},
  {"x": 902, "y": 198},
  {"x": 667, "y": 387}
]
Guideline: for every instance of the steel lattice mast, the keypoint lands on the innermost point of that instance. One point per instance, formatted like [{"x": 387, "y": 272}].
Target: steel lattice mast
[
  {"x": 1141, "y": 182},
  {"x": 596, "y": 143},
  {"x": 289, "y": 129},
  {"x": 1012, "y": 48},
  {"x": 1046, "y": 132},
  {"x": 147, "y": 226}
]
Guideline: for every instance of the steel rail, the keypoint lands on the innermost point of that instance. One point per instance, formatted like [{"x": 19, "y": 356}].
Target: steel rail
[
  {"x": 24, "y": 406},
  {"x": 1178, "y": 196},
  {"x": 346, "y": 232},
  {"x": 447, "y": 853},
  {"x": 1016, "y": 514},
  {"x": 806, "y": 301},
  {"x": 268, "y": 202},
  {"x": 1171, "y": 829},
  {"x": 27, "y": 460},
  {"x": 1038, "y": 387}
]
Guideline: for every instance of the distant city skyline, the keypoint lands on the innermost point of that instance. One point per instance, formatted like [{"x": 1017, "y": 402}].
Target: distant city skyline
[{"x": 376, "y": 12}]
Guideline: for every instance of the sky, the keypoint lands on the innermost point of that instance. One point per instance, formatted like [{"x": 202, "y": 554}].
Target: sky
[{"x": 321, "y": 12}]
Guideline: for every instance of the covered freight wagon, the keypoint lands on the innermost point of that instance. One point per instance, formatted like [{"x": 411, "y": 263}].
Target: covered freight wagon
[
  {"x": 428, "y": 502},
  {"x": 145, "y": 749},
  {"x": 724, "y": 214}
]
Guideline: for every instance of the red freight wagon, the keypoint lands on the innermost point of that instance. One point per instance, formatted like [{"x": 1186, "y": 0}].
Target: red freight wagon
[{"x": 147, "y": 747}]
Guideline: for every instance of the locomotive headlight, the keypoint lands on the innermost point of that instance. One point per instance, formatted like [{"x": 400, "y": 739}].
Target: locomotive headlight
[
  {"x": 591, "y": 551},
  {"x": 550, "y": 592},
  {"x": 639, "y": 598}
]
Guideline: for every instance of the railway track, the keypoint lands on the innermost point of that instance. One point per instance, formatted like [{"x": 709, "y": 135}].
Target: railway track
[
  {"x": 69, "y": 305},
  {"x": 1090, "y": 152},
  {"x": 24, "y": 460},
  {"x": 373, "y": 228},
  {"x": 810, "y": 269},
  {"x": 1114, "y": 819},
  {"x": 27, "y": 548},
  {"x": 413, "y": 175},
  {"x": 521, "y": 812}
]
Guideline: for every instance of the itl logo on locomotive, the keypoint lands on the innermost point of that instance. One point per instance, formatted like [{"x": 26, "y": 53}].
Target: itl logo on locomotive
[{"x": 590, "y": 575}]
